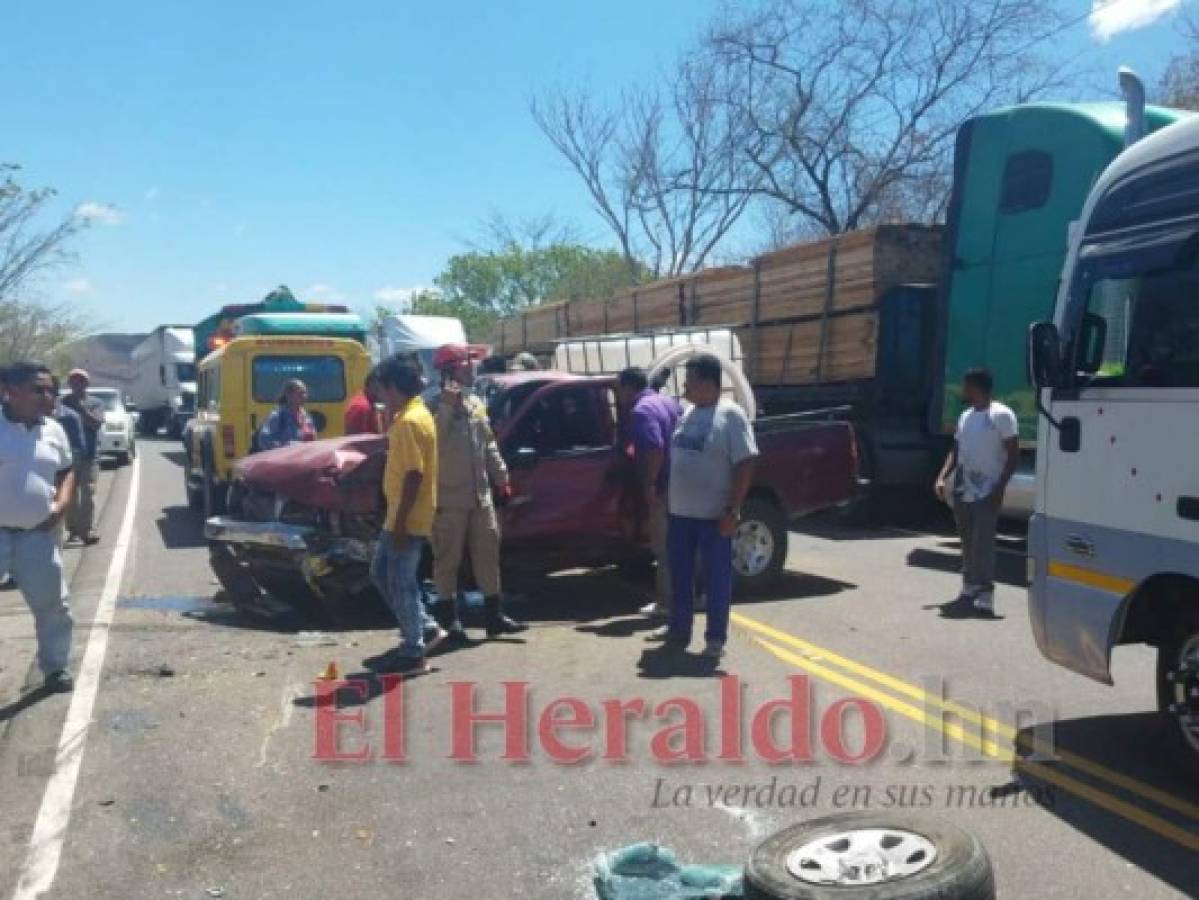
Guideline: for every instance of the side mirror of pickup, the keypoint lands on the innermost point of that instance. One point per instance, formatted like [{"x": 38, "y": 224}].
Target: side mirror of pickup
[
  {"x": 1044, "y": 356},
  {"x": 523, "y": 458}
]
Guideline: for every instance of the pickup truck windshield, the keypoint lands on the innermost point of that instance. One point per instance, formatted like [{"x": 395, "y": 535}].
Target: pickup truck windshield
[
  {"x": 1151, "y": 310},
  {"x": 324, "y": 376}
]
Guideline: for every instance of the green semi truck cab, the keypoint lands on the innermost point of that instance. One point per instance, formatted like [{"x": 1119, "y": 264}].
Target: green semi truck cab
[{"x": 1021, "y": 176}]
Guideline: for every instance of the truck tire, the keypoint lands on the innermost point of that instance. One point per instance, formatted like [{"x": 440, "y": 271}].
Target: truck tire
[
  {"x": 880, "y": 856},
  {"x": 1178, "y": 692},
  {"x": 214, "y": 491},
  {"x": 759, "y": 546},
  {"x": 147, "y": 423}
]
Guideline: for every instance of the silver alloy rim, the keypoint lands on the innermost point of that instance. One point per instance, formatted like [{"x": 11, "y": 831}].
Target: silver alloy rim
[
  {"x": 753, "y": 548},
  {"x": 1185, "y": 681},
  {"x": 862, "y": 856}
]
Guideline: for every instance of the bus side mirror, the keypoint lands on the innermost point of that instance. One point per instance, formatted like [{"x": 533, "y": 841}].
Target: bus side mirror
[{"x": 1044, "y": 356}]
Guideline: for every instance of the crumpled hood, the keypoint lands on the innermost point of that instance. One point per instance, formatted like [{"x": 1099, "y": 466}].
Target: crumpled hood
[{"x": 343, "y": 474}]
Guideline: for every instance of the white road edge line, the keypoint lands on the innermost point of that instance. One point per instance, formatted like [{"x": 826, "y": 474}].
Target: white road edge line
[{"x": 54, "y": 815}]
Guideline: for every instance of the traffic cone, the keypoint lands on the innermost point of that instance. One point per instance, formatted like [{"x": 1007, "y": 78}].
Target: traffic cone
[{"x": 330, "y": 673}]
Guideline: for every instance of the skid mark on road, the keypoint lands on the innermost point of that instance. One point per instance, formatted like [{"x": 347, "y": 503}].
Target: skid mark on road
[
  {"x": 997, "y": 740},
  {"x": 54, "y": 815}
]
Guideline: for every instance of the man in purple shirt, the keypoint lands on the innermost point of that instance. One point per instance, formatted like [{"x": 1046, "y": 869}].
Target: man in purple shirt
[{"x": 651, "y": 419}]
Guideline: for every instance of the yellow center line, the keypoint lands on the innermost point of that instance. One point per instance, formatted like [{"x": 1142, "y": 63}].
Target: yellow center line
[
  {"x": 986, "y": 724},
  {"x": 1147, "y": 820}
]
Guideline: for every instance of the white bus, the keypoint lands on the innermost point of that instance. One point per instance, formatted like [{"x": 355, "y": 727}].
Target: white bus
[{"x": 1114, "y": 540}]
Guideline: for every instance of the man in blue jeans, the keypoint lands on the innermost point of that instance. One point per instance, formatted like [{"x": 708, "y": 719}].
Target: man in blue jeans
[
  {"x": 36, "y": 480},
  {"x": 410, "y": 486},
  {"x": 712, "y": 455}
]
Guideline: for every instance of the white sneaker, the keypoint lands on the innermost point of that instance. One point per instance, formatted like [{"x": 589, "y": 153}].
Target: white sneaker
[
  {"x": 714, "y": 649},
  {"x": 984, "y": 601},
  {"x": 655, "y": 610}
]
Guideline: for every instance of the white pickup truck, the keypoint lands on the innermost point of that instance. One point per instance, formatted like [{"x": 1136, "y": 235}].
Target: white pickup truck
[{"x": 1113, "y": 545}]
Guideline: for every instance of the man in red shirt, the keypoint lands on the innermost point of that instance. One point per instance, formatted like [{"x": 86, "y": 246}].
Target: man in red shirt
[{"x": 362, "y": 413}]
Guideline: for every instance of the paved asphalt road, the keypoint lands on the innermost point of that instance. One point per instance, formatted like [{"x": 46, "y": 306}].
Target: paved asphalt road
[{"x": 198, "y": 778}]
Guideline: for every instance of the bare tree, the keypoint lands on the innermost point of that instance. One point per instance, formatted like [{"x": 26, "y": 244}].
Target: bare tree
[
  {"x": 851, "y": 115},
  {"x": 663, "y": 168},
  {"x": 28, "y": 249},
  {"x": 1180, "y": 83},
  {"x": 25, "y": 249}
]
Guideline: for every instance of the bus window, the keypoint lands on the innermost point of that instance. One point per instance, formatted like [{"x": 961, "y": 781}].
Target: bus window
[
  {"x": 1152, "y": 321},
  {"x": 324, "y": 376}
]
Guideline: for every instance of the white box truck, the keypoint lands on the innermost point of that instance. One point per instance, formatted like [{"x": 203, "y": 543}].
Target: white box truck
[
  {"x": 1113, "y": 544},
  {"x": 163, "y": 383}
]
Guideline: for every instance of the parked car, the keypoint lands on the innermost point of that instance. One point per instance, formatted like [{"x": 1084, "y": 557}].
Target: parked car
[
  {"x": 118, "y": 436},
  {"x": 309, "y": 514}
]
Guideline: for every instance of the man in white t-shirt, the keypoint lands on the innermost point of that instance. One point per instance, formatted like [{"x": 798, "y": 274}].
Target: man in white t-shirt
[
  {"x": 984, "y": 456},
  {"x": 36, "y": 481}
]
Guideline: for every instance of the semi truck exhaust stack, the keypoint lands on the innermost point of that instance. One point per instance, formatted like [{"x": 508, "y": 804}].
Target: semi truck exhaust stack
[{"x": 1133, "y": 90}]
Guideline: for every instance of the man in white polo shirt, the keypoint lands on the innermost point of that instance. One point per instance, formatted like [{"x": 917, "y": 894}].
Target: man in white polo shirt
[{"x": 36, "y": 481}]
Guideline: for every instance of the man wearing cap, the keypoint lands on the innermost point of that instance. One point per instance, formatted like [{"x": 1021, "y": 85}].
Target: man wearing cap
[
  {"x": 35, "y": 481},
  {"x": 82, "y": 511},
  {"x": 469, "y": 464}
]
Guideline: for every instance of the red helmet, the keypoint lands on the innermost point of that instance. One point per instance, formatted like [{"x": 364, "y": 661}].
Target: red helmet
[{"x": 456, "y": 354}]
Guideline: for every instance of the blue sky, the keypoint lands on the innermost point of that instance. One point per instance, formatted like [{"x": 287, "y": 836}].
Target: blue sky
[{"x": 223, "y": 148}]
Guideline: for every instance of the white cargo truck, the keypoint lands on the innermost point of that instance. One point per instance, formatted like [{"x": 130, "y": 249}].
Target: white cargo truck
[
  {"x": 1113, "y": 544},
  {"x": 163, "y": 381}
]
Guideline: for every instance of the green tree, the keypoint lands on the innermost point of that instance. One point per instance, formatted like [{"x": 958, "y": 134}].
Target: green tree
[{"x": 515, "y": 276}]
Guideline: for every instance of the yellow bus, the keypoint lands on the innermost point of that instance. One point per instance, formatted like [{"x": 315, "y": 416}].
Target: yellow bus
[{"x": 238, "y": 387}]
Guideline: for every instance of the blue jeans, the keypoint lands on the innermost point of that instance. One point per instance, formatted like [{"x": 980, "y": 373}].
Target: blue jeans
[
  {"x": 394, "y": 573},
  {"x": 686, "y": 537},
  {"x": 33, "y": 560}
]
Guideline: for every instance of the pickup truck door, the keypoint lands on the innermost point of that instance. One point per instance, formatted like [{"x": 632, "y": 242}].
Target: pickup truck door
[{"x": 567, "y": 475}]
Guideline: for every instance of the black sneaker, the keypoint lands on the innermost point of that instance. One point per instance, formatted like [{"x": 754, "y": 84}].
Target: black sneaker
[
  {"x": 59, "y": 683},
  {"x": 503, "y": 625},
  {"x": 457, "y": 638}
]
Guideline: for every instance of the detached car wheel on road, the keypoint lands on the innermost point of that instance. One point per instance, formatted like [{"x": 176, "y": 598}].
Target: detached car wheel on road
[
  {"x": 1178, "y": 691},
  {"x": 888, "y": 856}
]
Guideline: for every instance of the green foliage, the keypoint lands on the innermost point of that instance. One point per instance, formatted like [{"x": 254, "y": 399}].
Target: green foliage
[
  {"x": 506, "y": 280},
  {"x": 480, "y": 286},
  {"x": 476, "y": 320}
]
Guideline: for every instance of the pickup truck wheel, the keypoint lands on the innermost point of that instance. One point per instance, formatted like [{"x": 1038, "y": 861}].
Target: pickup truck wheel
[
  {"x": 759, "y": 545},
  {"x": 1178, "y": 691},
  {"x": 891, "y": 856}
]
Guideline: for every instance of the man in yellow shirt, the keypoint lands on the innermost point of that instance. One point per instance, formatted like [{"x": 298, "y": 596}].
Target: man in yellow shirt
[{"x": 410, "y": 486}]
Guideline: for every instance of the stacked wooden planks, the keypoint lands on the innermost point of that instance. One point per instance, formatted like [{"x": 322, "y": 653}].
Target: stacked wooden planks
[{"x": 806, "y": 314}]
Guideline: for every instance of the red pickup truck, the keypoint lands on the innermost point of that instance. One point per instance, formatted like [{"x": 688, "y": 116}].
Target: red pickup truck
[{"x": 313, "y": 511}]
